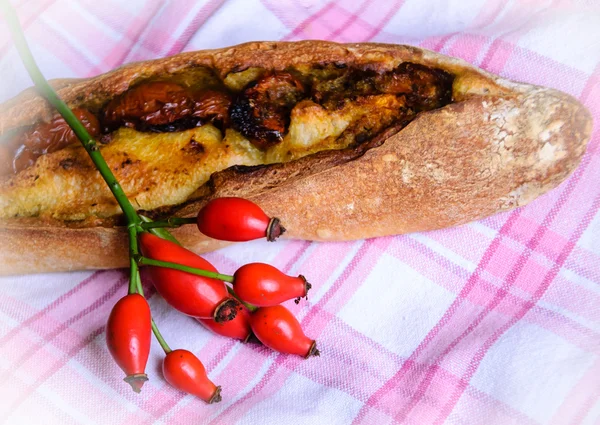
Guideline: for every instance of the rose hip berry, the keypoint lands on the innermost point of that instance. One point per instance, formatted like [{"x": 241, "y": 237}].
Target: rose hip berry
[
  {"x": 238, "y": 328},
  {"x": 184, "y": 371},
  {"x": 264, "y": 285},
  {"x": 128, "y": 333},
  {"x": 194, "y": 295},
  {"x": 277, "y": 328},
  {"x": 237, "y": 220}
]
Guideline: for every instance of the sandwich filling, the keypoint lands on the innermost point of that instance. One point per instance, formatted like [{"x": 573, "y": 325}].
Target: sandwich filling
[{"x": 163, "y": 138}]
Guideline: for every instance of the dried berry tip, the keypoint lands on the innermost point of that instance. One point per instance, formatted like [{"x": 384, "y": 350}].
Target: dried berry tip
[
  {"x": 313, "y": 351},
  {"x": 216, "y": 398},
  {"x": 226, "y": 311},
  {"x": 274, "y": 229},
  {"x": 307, "y": 286},
  {"x": 136, "y": 381}
]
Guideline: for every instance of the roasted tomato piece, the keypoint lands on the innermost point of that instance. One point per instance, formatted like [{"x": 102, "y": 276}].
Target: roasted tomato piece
[
  {"x": 262, "y": 111},
  {"x": 427, "y": 87},
  {"x": 49, "y": 137},
  {"x": 212, "y": 106},
  {"x": 149, "y": 104}
]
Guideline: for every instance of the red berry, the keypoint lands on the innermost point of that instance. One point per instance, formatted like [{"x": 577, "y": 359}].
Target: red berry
[
  {"x": 184, "y": 371},
  {"x": 191, "y": 294},
  {"x": 279, "y": 330},
  {"x": 128, "y": 333},
  {"x": 264, "y": 285},
  {"x": 238, "y": 328},
  {"x": 237, "y": 220}
]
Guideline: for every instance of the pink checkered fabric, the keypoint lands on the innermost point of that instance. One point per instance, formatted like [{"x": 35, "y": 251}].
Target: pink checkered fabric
[{"x": 494, "y": 322}]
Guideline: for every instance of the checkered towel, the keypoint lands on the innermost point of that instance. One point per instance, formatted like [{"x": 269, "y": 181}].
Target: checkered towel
[{"x": 494, "y": 322}]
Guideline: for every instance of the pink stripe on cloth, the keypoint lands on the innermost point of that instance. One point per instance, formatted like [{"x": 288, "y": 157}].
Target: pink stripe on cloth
[
  {"x": 29, "y": 412},
  {"x": 69, "y": 345},
  {"x": 354, "y": 25},
  {"x": 497, "y": 56},
  {"x": 202, "y": 16},
  {"x": 568, "y": 329},
  {"x": 313, "y": 25},
  {"x": 479, "y": 407},
  {"x": 131, "y": 30},
  {"x": 291, "y": 14},
  {"x": 55, "y": 365},
  {"x": 69, "y": 55},
  {"x": 337, "y": 22},
  {"x": 355, "y": 272},
  {"x": 366, "y": 369},
  {"x": 269, "y": 384},
  {"x": 48, "y": 361},
  {"x": 389, "y": 13},
  {"x": 352, "y": 277},
  {"x": 467, "y": 46},
  {"x": 27, "y": 16},
  {"x": 40, "y": 314}
]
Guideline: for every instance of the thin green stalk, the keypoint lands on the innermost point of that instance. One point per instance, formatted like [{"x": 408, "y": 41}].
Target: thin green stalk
[
  {"x": 234, "y": 295},
  {"x": 160, "y": 232},
  {"x": 133, "y": 271},
  {"x": 134, "y": 276},
  {"x": 48, "y": 92},
  {"x": 170, "y": 222},
  {"x": 155, "y": 331},
  {"x": 160, "y": 338},
  {"x": 145, "y": 261}
]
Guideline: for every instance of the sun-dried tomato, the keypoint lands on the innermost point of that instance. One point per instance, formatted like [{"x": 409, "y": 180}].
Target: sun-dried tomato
[{"x": 262, "y": 111}]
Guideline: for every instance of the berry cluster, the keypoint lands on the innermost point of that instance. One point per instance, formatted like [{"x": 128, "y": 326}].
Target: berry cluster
[{"x": 248, "y": 307}]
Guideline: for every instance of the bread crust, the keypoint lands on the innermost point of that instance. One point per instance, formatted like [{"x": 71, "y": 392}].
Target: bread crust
[{"x": 500, "y": 145}]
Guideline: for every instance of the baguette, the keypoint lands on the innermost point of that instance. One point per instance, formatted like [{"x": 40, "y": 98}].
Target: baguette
[{"x": 358, "y": 168}]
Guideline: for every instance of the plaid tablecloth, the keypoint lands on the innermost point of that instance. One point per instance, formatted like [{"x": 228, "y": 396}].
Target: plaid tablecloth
[{"x": 494, "y": 322}]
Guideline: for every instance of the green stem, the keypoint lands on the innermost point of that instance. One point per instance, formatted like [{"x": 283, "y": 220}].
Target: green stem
[
  {"x": 160, "y": 232},
  {"x": 234, "y": 295},
  {"x": 133, "y": 271},
  {"x": 170, "y": 222},
  {"x": 145, "y": 261},
  {"x": 160, "y": 338},
  {"x": 134, "y": 275},
  {"x": 155, "y": 331},
  {"x": 80, "y": 131}
]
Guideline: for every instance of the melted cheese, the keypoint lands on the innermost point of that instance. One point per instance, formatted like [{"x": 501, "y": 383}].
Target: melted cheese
[
  {"x": 162, "y": 169},
  {"x": 314, "y": 128},
  {"x": 154, "y": 170}
]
